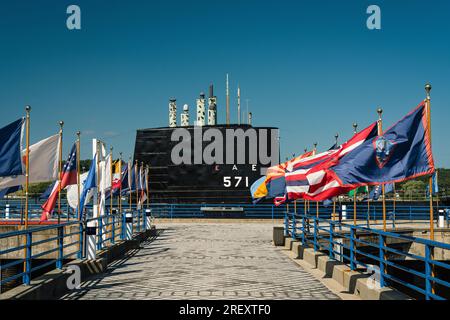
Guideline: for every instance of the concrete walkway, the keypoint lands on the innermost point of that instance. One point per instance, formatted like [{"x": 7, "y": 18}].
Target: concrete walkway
[{"x": 206, "y": 261}]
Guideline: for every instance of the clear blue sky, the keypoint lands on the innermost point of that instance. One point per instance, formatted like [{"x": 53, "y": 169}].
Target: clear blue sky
[{"x": 311, "y": 68}]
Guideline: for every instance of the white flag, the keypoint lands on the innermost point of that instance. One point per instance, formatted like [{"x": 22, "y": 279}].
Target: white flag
[
  {"x": 44, "y": 157},
  {"x": 72, "y": 192}
]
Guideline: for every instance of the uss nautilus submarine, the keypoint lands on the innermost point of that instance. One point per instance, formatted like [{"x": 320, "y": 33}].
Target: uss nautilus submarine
[{"x": 206, "y": 162}]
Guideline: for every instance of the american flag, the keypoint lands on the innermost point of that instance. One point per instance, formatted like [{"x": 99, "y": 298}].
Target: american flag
[
  {"x": 312, "y": 178},
  {"x": 68, "y": 177}
]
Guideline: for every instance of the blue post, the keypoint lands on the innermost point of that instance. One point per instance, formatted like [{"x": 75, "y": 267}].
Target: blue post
[
  {"x": 381, "y": 256},
  {"x": 80, "y": 242},
  {"x": 27, "y": 276},
  {"x": 315, "y": 234},
  {"x": 123, "y": 235},
  {"x": 304, "y": 241},
  {"x": 59, "y": 261},
  {"x": 294, "y": 226},
  {"x": 113, "y": 229},
  {"x": 352, "y": 248},
  {"x": 428, "y": 286},
  {"x": 286, "y": 224},
  {"x": 330, "y": 245},
  {"x": 100, "y": 233}
]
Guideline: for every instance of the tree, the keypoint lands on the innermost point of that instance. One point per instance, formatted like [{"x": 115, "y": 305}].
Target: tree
[{"x": 413, "y": 188}]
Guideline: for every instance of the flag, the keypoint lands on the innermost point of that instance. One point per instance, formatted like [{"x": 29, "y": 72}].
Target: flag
[
  {"x": 68, "y": 177},
  {"x": 9, "y": 190},
  {"x": 72, "y": 191},
  {"x": 403, "y": 152},
  {"x": 376, "y": 190},
  {"x": 48, "y": 191},
  {"x": 258, "y": 189},
  {"x": 116, "y": 167},
  {"x": 275, "y": 176},
  {"x": 355, "y": 191},
  {"x": 10, "y": 149},
  {"x": 435, "y": 183},
  {"x": 311, "y": 178},
  {"x": 44, "y": 157},
  {"x": 89, "y": 183}
]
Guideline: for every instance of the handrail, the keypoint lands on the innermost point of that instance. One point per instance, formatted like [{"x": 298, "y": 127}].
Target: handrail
[{"x": 325, "y": 232}]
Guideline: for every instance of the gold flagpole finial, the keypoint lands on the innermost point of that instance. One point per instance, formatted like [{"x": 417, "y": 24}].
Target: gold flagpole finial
[
  {"x": 427, "y": 90},
  {"x": 380, "y": 112},
  {"x": 336, "y": 136},
  {"x": 28, "y": 109}
]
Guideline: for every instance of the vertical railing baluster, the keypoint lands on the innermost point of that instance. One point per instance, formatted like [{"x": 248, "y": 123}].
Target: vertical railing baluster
[
  {"x": 428, "y": 273},
  {"x": 286, "y": 224},
  {"x": 330, "y": 245},
  {"x": 294, "y": 226},
  {"x": 28, "y": 250},
  {"x": 59, "y": 261},
  {"x": 100, "y": 234},
  {"x": 315, "y": 234},
  {"x": 381, "y": 256},
  {"x": 352, "y": 248}
]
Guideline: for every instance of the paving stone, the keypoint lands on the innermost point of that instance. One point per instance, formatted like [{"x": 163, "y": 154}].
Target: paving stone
[{"x": 205, "y": 261}]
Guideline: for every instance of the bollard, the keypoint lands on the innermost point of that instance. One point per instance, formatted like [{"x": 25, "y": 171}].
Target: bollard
[
  {"x": 344, "y": 212},
  {"x": 7, "y": 211},
  {"x": 91, "y": 239},
  {"x": 148, "y": 219},
  {"x": 128, "y": 226},
  {"x": 441, "y": 223}
]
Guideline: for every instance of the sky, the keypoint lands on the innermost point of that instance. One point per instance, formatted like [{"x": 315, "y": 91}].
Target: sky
[{"x": 311, "y": 68}]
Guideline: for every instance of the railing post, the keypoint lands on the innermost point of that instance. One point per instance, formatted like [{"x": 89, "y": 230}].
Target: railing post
[
  {"x": 428, "y": 273},
  {"x": 304, "y": 238},
  {"x": 59, "y": 261},
  {"x": 286, "y": 224},
  {"x": 315, "y": 234},
  {"x": 80, "y": 241},
  {"x": 381, "y": 257},
  {"x": 27, "y": 276},
  {"x": 352, "y": 248},
  {"x": 294, "y": 226},
  {"x": 91, "y": 239},
  {"x": 100, "y": 233},
  {"x": 331, "y": 245},
  {"x": 113, "y": 229},
  {"x": 123, "y": 233}
]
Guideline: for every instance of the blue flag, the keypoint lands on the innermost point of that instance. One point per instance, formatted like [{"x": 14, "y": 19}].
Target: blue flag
[
  {"x": 403, "y": 152},
  {"x": 47, "y": 192},
  {"x": 9, "y": 190},
  {"x": 376, "y": 190},
  {"x": 89, "y": 183},
  {"x": 10, "y": 153}
]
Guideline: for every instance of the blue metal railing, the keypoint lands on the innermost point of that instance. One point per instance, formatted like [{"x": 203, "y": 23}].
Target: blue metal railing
[
  {"x": 362, "y": 247},
  {"x": 55, "y": 244}
]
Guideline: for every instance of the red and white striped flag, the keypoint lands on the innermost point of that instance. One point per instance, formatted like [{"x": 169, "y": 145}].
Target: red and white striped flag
[{"x": 312, "y": 179}]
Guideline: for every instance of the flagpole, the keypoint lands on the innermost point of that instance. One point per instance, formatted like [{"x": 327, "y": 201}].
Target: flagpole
[
  {"x": 430, "y": 180},
  {"x": 111, "y": 186},
  {"x": 380, "y": 133},
  {"x": 130, "y": 167},
  {"x": 61, "y": 124},
  {"x": 355, "y": 130},
  {"x": 27, "y": 163},
  {"x": 98, "y": 179},
  {"x": 27, "y": 180},
  {"x": 336, "y": 136},
  {"x": 137, "y": 186},
  {"x": 78, "y": 172},
  {"x": 148, "y": 191}
]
